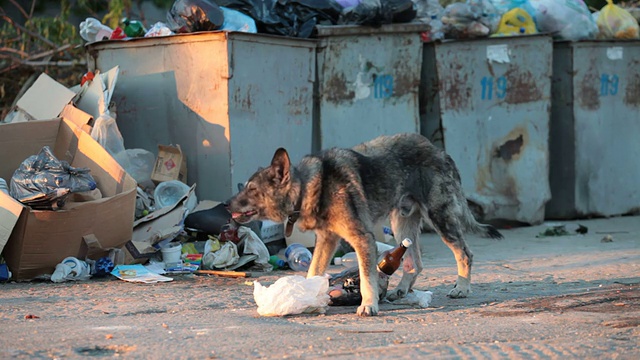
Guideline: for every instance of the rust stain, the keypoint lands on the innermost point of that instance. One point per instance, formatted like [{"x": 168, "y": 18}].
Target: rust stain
[
  {"x": 632, "y": 91},
  {"x": 406, "y": 79},
  {"x": 337, "y": 91},
  {"x": 457, "y": 92},
  {"x": 523, "y": 87},
  {"x": 297, "y": 105},
  {"x": 588, "y": 90}
]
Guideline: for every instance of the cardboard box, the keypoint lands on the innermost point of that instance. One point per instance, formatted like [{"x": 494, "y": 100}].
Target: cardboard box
[
  {"x": 36, "y": 241},
  {"x": 171, "y": 164}
]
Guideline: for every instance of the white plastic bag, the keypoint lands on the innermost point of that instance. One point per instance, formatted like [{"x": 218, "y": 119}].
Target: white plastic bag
[
  {"x": 91, "y": 29},
  {"x": 291, "y": 295},
  {"x": 564, "y": 19}
]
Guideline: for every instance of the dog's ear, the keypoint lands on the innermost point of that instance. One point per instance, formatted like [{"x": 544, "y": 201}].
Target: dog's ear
[{"x": 281, "y": 164}]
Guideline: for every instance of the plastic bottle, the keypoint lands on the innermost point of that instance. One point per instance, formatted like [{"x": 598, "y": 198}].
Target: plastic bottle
[
  {"x": 298, "y": 257},
  {"x": 133, "y": 28},
  {"x": 276, "y": 262},
  {"x": 349, "y": 259},
  {"x": 392, "y": 259}
]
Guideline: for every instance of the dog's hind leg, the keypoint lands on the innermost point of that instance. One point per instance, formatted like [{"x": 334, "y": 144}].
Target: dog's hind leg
[
  {"x": 326, "y": 244},
  {"x": 407, "y": 226},
  {"x": 449, "y": 229}
]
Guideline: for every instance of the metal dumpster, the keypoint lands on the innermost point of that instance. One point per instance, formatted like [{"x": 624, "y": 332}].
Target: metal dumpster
[
  {"x": 367, "y": 83},
  {"x": 487, "y": 103},
  {"x": 595, "y": 125},
  {"x": 228, "y": 99}
]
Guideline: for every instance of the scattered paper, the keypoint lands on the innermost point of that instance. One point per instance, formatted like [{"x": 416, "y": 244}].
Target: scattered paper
[{"x": 137, "y": 273}]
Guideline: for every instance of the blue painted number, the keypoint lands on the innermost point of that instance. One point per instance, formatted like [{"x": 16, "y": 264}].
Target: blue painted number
[
  {"x": 383, "y": 86},
  {"x": 488, "y": 90},
  {"x": 609, "y": 85}
]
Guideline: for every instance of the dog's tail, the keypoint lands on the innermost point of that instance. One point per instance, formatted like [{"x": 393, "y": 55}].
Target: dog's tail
[{"x": 484, "y": 230}]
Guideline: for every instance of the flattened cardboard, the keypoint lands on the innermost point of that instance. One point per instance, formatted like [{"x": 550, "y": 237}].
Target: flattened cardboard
[
  {"x": 171, "y": 164},
  {"x": 45, "y": 99},
  {"x": 41, "y": 239}
]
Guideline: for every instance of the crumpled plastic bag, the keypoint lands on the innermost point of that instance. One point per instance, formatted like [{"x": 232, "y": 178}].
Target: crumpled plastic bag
[
  {"x": 254, "y": 245},
  {"x": 91, "y": 29},
  {"x": 564, "y": 19},
  {"x": 158, "y": 29},
  {"x": 615, "y": 22},
  {"x": 379, "y": 12},
  {"x": 227, "y": 255},
  {"x": 44, "y": 182},
  {"x": 234, "y": 20},
  {"x": 415, "y": 297},
  {"x": 473, "y": 19},
  {"x": 292, "y": 295},
  {"x": 186, "y": 16}
]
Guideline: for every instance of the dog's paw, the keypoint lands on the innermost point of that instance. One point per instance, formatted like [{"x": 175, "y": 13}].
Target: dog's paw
[
  {"x": 367, "y": 310},
  {"x": 396, "y": 294},
  {"x": 461, "y": 290}
]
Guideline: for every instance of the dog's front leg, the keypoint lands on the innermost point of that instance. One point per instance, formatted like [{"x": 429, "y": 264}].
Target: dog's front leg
[
  {"x": 364, "y": 245},
  {"x": 326, "y": 245}
]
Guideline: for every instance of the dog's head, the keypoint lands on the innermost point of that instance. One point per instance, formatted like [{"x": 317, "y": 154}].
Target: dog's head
[{"x": 267, "y": 193}]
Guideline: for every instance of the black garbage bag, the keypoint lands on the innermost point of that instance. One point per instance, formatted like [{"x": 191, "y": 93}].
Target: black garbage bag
[
  {"x": 294, "y": 18},
  {"x": 188, "y": 16},
  {"x": 209, "y": 221},
  {"x": 379, "y": 12},
  {"x": 44, "y": 182}
]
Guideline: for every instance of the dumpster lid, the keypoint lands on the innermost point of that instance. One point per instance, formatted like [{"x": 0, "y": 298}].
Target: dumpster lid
[{"x": 337, "y": 30}]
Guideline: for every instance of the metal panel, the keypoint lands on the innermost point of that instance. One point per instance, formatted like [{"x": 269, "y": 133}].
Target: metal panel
[
  {"x": 488, "y": 105},
  {"x": 367, "y": 83},
  {"x": 599, "y": 129},
  {"x": 229, "y": 99}
]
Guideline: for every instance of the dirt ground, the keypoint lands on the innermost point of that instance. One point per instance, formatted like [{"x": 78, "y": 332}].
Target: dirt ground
[{"x": 569, "y": 297}]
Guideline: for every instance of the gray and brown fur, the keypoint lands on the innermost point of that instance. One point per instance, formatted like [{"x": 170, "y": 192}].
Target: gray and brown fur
[{"x": 344, "y": 193}]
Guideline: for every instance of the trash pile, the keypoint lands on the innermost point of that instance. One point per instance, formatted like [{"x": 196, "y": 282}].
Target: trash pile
[{"x": 564, "y": 19}]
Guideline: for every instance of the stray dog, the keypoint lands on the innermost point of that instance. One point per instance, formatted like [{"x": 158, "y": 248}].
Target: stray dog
[{"x": 344, "y": 193}]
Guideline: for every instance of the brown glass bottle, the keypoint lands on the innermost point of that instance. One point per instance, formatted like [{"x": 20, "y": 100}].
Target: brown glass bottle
[{"x": 391, "y": 259}]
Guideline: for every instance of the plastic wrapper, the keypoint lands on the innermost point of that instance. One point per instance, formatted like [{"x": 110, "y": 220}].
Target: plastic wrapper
[
  {"x": 158, "y": 29},
  {"x": 294, "y": 18},
  {"x": 379, "y": 12},
  {"x": 516, "y": 22},
  {"x": 234, "y": 20},
  {"x": 186, "y": 16},
  {"x": 44, "y": 182},
  {"x": 615, "y": 22},
  {"x": 564, "y": 19},
  {"x": 292, "y": 295},
  {"x": 465, "y": 21}
]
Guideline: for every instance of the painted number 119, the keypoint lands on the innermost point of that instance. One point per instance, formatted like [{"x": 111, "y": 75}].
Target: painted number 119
[
  {"x": 609, "y": 85},
  {"x": 493, "y": 87}
]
